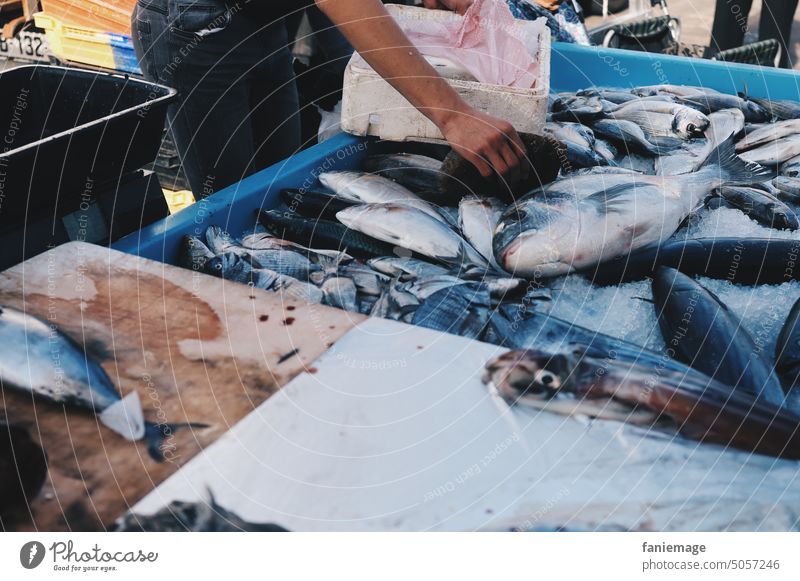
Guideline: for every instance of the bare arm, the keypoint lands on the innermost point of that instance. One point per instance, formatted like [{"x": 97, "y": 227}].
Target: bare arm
[{"x": 487, "y": 142}]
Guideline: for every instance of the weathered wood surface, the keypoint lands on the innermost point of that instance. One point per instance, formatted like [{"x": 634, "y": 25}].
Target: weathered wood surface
[{"x": 196, "y": 348}]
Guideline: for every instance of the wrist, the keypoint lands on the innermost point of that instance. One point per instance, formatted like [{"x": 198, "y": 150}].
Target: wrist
[{"x": 446, "y": 116}]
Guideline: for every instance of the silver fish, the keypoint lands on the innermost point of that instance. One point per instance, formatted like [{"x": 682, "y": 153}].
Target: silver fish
[
  {"x": 775, "y": 152},
  {"x": 368, "y": 281},
  {"x": 629, "y": 134},
  {"x": 219, "y": 241},
  {"x": 42, "y": 361},
  {"x": 320, "y": 256},
  {"x": 396, "y": 266},
  {"x": 578, "y": 222},
  {"x": 287, "y": 262},
  {"x": 768, "y": 134},
  {"x": 477, "y": 219},
  {"x": 415, "y": 172},
  {"x": 460, "y": 310},
  {"x": 194, "y": 253},
  {"x": 605, "y": 150},
  {"x": 663, "y": 118},
  {"x": 410, "y": 228},
  {"x": 790, "y": 167},
  {"x": 340, "y": 292},
  {"x": 368, "y": 188},
  {"x": 290, "y": 287},
  {"x": 637, "y": 163}
]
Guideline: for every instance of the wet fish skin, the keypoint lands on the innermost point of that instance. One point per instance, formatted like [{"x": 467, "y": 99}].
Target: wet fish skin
[
  {"x": 568, "y": 382},
  {"x": 193, "y": 253},
  {"x": 768, "y": 133},
  {"x": 663, "y": 118},
  {"x": 712, "y": 340},
  {"x": 396, "y": 266},
  {"x": 787, "y": 358},
  {"x": 628, "y": 134},
  {"x": 750, "y": 261},
  {"x": 340, "y": 292},
  {"x": 366, "y": 188},
  {"x": 415, "y": 172},
  {"x": 774, "y": 153},
  {"x": 577, "y": 222},
  {"x": 753, "y": 112},
  {"x": 461, "y": 310},
  {"x": 311, "y": 204},
  {"x": 324, "y": 234},
  {"x": 318, "y": 256},
  {"x": 779, "y": 108},
  {"x": 409, "y": 228},
  {"x": 788, "y": 188},
  {"x": 219, "y": 241},
  {"x": 477, "y": 219},
  {"x": 760, "y": 205}
]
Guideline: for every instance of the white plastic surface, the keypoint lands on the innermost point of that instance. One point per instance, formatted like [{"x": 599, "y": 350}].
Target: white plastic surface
[
  {"x": 371, "y": 106},
  {"x": 395, "y": 431}
]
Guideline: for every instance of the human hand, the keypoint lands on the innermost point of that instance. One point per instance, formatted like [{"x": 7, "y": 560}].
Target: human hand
[
  {"x": 490, "y": 144},
  {"x": 458, "y": 6}
]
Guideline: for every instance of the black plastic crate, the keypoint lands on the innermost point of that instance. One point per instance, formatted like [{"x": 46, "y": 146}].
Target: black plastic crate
[{"x": 60, "y": 127}]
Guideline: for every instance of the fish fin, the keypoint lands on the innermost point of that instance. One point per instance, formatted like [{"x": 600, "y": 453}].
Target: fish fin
[
  {"x": 665, "y": 143},
  {"x": 157, "y": 433},
  {"x": 732, "y": 168},
  {"x": 125, "y": 417},
  {"x": 608, "y": 200}
]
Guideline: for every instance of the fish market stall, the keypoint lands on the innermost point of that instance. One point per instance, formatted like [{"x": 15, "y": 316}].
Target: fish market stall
[{"x": 360, "y": 445}]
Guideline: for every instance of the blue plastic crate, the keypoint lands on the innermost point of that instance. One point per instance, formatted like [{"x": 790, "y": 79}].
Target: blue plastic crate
[{"x": 572, "y": 68}]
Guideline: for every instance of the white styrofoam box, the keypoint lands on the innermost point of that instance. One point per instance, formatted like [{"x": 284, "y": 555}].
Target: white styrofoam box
[{"x": 371, "y": 106}]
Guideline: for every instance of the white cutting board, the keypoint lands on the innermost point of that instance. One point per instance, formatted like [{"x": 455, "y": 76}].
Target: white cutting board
[{"x": 393, "y": 430}]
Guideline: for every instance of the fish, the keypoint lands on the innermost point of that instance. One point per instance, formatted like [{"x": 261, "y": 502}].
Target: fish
[
  {"x": 340, "y": 292},
  {"x": 768, "y": 133},
  {"x": 395, "y": 303},
  {"x": 779, "y": 108},
  {"x": 790, "y": 168},
  {"x": 409, "y": 228},
  {"x": 639, "y": 164},
  {"x": 787, "y": 188},
  {"x": 630, "y": 136},
  {"x": 219, "y": 241},
  {"x": 572, "y": 381},
  {"x": 461, "y": 310},
  {"x": 233, "y": 266},
  {"x": 416, "y": 172},
  {"x": 285, "y": 261},
  {"x": 477, "y": 219},
  {"x": 673, "y": 90},
  {"x": 787, "y": 358},
  {"x": 576, "y": 108},
  {"x": 723, "y": 124},
  {"x": 700, "y": 331},
  {"x": 575, "y": 223},
  {"x": 397, "y": 266},
  {"x": 775, "y": 152},
  {"x": 40, "y": 360},
  {"x": 289, "y": 287},
  {"x": 617, "y": 97},
  {"x": 365, "y": 188},
  {"x": 325, "y": 234},
  {"x": 753, "y": 112},
  {"x": 749, "y": 261},
  {"x": 605, "y": 150},
  {"x": 193, "y": 253},
  {"x": 760, "y": 205},
  {"x": 319, "y": 256},
  {"x": 663, "y": 118},
  {"x": 180, "y": 516},
  {"x": 311, "y": 204}
]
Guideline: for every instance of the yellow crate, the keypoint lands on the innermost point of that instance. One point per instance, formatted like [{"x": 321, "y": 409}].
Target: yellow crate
[{"x": 77, "y": 44}]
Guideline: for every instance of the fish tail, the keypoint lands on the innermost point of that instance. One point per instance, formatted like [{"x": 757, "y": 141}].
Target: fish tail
[
  {"x": 157, "y": 436},
  {"x": 125, "y": 417},
  {"x": 729, "y": 168}
]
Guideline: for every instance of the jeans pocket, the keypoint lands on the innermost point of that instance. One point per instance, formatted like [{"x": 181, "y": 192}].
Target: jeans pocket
[{"x": 199, "y": 18}]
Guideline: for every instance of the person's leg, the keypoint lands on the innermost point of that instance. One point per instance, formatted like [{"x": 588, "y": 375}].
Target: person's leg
[
  {"x": 730, "y": 24},
  {"x": 776, "y": 21},
  {"x": 201, "y": 50},
  {"x": 274, "y": 100}
]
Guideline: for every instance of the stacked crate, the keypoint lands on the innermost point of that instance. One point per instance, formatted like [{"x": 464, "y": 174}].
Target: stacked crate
[{"x": 90, "y": 32}]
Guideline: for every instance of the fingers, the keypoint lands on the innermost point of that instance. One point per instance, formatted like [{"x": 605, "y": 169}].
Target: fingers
[{"x": 483, "y": 167}]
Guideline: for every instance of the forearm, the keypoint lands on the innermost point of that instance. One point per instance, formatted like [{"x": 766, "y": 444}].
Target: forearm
[{"x": 383, "y": 44}]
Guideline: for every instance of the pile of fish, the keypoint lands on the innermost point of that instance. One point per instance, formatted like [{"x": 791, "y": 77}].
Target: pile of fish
[{"x": 642, "y": 166}]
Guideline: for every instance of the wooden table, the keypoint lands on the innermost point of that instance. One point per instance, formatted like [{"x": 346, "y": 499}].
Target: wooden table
[{"x": 196, "y": 348}]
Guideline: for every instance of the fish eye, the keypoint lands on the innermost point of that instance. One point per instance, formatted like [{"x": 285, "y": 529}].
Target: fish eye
[
  {"x": 692, "y": 127},
  {"x": 547, "y": 380}
]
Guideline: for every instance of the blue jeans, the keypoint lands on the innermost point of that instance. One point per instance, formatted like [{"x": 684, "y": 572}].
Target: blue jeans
[{"x": 237, "y": 110}]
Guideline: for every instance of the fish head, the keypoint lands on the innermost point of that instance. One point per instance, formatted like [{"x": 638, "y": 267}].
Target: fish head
[
  {"x": 533, "y": 234},
  {"x": 530, "y": 375},
  {"x": 689, "y": 122},
  {"x": 755, "y": 113}
]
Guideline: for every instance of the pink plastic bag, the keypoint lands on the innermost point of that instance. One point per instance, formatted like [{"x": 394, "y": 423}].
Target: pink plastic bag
[{"x": 485, "y": 41}]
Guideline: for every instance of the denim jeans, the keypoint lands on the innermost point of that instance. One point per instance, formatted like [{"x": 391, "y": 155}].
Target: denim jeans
[{"x": 237, "y": 110}]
